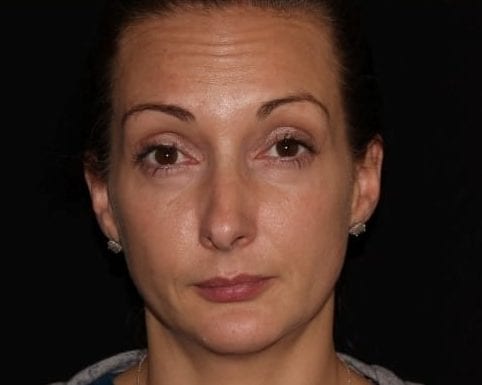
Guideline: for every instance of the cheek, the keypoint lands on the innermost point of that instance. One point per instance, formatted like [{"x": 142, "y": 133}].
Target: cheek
[
  {"x": 315, "y": 210},
  {"x": 158, "y": 230},
  {"x": 307, "y": 228}
]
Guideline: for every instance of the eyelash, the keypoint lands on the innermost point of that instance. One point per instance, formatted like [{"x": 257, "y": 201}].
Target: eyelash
[
  {"x": 298, "y": 160},
  {"x": 141, "y": 159}
]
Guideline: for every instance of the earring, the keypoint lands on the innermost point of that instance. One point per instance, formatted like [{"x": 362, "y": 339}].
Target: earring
[
  {"x": 114, "y": 246},
  {"x": 357, "y": 229}
]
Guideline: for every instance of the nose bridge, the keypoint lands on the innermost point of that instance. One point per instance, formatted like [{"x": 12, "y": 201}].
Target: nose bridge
[{"x": 228, "y": 215}]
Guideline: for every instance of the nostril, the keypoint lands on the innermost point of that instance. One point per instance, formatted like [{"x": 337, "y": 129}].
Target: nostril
[
  {"x": 207, "y": 242},
  {"x": 240, "y": 241},
  {"x": 220, "y": 244},
  {"x": 224, "y": 241}
]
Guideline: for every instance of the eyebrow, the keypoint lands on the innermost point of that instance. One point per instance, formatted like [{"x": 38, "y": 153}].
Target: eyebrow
[
  {"x": 169, "y": 109},
  {"x": 186, "y": 116},
  {"x": 268, "y": 107}
]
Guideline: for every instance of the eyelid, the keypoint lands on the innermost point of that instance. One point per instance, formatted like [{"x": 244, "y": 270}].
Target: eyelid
[
  {"x": 145, "y": 161},
  {"x": 296, "y": 134},
  {"x": 150, "y": 153},
  {"x": 303, "y": 148},
  {"x": 144, "y": 151},
  {"x": 168, "y": 139}
]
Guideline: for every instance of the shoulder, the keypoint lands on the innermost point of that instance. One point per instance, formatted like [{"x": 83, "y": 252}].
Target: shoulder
[
  {"x": 112, "y": 365},
  {"x": 378, "y": 374}
]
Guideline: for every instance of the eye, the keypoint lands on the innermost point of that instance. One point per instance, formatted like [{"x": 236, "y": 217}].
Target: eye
[
  {"x": 165, "y": 158},
  {"x": 287, "y": 148},
  {"x": 166, "y": 155}
]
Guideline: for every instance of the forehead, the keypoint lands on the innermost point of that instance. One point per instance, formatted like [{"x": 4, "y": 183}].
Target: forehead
[
  {"x": 237, "y": 50},
  {"x": 226, "y": 22}
]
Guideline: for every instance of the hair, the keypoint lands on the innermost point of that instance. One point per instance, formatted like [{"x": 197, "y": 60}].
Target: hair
[{"x": 358, "y": 84}]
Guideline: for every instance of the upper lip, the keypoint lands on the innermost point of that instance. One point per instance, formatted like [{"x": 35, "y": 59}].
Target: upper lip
[{"x": 226, "y": 282}]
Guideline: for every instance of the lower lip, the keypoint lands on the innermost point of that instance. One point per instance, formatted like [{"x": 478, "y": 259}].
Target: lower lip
[{"x": 238, "y": 292}]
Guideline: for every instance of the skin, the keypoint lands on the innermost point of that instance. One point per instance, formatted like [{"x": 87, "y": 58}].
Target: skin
[{"x": 232, "y": 203}]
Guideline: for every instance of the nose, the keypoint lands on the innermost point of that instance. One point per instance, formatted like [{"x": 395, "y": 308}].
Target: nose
[{"x": 228, "y": 219}]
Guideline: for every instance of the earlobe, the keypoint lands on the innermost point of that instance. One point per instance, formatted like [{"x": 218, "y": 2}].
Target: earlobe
[
  {"x": 367, "y": 182},
  {"x": 101, "y": 204}
]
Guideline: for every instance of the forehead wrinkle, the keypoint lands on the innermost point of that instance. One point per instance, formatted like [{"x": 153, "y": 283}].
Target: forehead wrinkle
[
  {"x": 228, "y": 45},
  {"x": 215, "y": 29},
  {"x": 216, "y": 32},
  {"x": 224, "y": 52}
]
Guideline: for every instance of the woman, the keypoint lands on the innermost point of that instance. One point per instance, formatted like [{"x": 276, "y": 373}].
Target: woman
[{"x": 232, "y": 157}]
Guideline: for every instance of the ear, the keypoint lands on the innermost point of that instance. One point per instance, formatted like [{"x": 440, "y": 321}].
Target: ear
[
  {"x": 367, "y": 180},
  {"x": 101, "y": 203}
]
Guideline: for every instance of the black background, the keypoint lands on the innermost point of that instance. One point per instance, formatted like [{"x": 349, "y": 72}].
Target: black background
[{"x": 411, "y": 301}]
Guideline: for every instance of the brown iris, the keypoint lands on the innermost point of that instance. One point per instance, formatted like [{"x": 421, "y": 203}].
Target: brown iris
[
  {"x": 166, "y": 155},
  {"x": 287, "y": 147}
]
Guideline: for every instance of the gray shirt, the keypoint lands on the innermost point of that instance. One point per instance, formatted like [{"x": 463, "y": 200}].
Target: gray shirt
[{"x": 123, "y": 361}]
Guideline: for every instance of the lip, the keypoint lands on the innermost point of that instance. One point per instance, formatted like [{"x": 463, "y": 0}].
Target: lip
[{"x": 243, "y": 287}]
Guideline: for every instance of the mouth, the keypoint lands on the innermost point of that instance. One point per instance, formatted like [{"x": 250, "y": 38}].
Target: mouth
[{"x": 243, "y": 287}]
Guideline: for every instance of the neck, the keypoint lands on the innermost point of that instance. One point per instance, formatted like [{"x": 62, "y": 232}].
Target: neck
[{"x": 302, "y": 356}]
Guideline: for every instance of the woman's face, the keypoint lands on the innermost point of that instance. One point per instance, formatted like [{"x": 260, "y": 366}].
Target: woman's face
[{"x": 231, "y": 186}]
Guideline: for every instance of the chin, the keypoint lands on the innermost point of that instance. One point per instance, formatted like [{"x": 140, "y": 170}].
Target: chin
[
  {"x": 238, "y": 334},
  {"x": 236, "y": 343}
]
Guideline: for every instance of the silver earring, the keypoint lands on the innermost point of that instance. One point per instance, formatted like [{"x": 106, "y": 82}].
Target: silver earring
[
  {"x": 114, "y": 246},
  {"x": 357, "y": 229}
]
